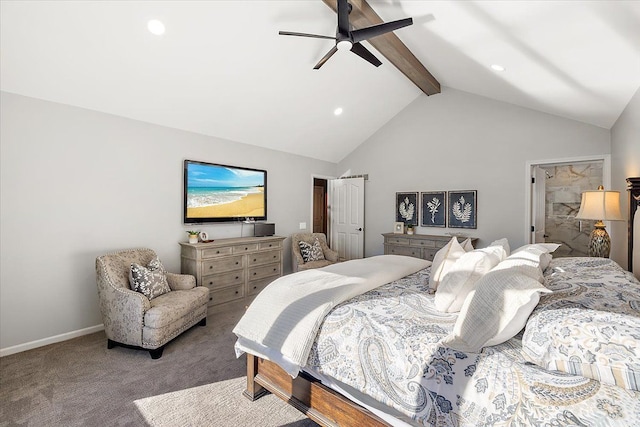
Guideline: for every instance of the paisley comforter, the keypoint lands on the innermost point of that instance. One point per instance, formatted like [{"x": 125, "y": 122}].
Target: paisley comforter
[{"x": 386, "y": 344}]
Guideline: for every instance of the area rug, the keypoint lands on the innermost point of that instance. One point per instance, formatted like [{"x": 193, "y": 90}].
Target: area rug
[{"x": 219, "y": 404}]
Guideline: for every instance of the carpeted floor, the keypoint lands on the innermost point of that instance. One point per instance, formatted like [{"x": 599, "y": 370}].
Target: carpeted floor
[{"x": 197, "y": 382}]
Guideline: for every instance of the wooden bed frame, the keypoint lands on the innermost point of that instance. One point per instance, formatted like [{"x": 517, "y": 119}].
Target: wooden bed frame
[{"x": 306, "y": 394}]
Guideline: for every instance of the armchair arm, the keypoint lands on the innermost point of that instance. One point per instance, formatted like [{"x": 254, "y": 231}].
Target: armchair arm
[
  {"x": 179, "y": 282},
  {"x": 329, "y": 254},
  {"x": 122, "y": 312}
]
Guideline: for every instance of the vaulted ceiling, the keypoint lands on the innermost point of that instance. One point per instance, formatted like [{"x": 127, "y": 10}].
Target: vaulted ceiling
[{"x": 221, "y": 69}]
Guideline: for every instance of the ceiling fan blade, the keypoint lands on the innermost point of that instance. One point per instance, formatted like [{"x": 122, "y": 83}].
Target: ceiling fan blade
[
  {"x": 378, "y": 30},
  {"x": 343, "y": 17},
  {"x": 315, "y": 36},
  {"x": 364, "y": 53},
  {"x": 325, "y": 58}
]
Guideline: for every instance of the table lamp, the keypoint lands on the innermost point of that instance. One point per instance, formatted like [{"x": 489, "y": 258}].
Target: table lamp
[{"x": 601, "y": 206}]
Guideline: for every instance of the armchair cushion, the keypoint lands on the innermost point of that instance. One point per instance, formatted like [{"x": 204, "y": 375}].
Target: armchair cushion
[
  {"x": 311, "y": 252},
  {"x": 173, "y": 306},
  {"x": 151, "y": 281}
]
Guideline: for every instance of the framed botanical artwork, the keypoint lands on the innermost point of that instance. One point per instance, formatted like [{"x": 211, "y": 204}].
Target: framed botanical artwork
[
  {"x": 407, "y": 208},
  {"x": 433, "y": 206},
  {"x": 463, "y": 209},
  {"x": 398, "y": 227}
]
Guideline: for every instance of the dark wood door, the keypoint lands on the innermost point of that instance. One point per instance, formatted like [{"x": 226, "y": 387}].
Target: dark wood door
[{"x": 319, "y": 209}]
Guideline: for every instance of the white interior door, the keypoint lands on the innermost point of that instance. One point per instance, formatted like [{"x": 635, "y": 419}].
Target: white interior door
[
  {"x": 538, "y": 190},
  {"x": 346, "y": 217}
]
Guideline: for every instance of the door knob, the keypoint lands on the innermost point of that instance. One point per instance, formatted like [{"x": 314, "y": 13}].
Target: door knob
[{"x": 359, "y": 229}]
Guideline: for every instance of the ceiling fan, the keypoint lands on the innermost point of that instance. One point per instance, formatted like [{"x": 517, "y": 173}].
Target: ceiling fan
[{"x": 348, "y": 39}]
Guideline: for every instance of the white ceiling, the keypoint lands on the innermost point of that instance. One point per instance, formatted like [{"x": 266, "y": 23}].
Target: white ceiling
[{"x": 221, "y": 69}]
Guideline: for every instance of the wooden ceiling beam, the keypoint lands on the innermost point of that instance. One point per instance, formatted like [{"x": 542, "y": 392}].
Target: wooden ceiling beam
[{"x": 390, "y": 46}]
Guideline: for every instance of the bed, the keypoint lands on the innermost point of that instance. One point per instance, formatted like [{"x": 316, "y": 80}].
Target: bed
[{"x": 385, "y": 356}]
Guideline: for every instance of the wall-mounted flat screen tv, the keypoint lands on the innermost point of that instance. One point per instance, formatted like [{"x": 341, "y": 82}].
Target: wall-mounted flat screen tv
[{"x": 215, "y": 193}]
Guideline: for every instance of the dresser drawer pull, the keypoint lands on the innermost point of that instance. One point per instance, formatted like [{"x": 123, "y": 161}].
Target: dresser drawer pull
[
  {"x": 236, "y": 292},
  {"x": 254, "y": 273},
  {"x": 275, "y": 256},
  {"x": 275, "y": 269},
  {"x": 246, "y": 248},
  {"x": 210, "y": 298},
  {"x": 254, "y": 260},
  {"x": 217, "y": 252},
  {"x": 211, "y": 283},
  {"x": 237, "y": 277},
  {"x": 211, "y": 267},
  {"x": 255, "y": 287},
  {"x": 270, "y": 245},
  {"x": 237, "y": 263}
]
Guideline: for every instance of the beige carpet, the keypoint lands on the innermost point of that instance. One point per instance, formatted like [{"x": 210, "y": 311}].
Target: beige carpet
[{"x": 218, "y": 404}]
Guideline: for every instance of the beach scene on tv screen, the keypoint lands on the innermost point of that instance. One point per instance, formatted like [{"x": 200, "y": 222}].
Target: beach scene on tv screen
[{"x": 215, "y": 191}]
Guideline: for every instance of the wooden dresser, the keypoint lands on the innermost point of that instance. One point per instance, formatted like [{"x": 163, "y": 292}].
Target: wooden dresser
[
  {"x": 233, "y": 269},
  {"x": 417, "y": 245}
]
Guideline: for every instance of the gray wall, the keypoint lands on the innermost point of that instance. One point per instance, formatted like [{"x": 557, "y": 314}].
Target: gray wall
[
  {"x": 77, "y": 183},
  {"x": 459, "y": 141},
  {"x": 625, "y": 163}
]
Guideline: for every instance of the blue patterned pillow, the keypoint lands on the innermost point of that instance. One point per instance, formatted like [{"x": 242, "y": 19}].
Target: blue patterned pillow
[
  {"x": 311, "y": 252},
  {"x": 151, "y": 281}
]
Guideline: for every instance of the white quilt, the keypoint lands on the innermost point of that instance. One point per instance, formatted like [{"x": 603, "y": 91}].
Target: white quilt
[{"x": 282, "y": 322}]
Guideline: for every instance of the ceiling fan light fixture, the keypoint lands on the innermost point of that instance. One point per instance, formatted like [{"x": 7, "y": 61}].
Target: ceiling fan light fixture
[
  {"x": 497, "y": 67},
  {"x": 344, "y": 45},
  {"x": 155, "y": 27},
  {"x": 337, "y": 111}
]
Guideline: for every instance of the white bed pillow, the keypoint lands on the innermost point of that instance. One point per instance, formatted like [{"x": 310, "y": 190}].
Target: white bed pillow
[
  {"x": 467, "y": 245},
  {"x": 529, "y": 261},
  {"x": 495, "y": 311},
  {"x": 443, "y": 260},
  {"x": 463, "y": 275},
  {"x": 546, "y": 247},
  {"x": 505, "y": 245}
]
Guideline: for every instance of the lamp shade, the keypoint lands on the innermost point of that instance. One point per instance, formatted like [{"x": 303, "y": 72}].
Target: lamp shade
[{"x": 600, "y": 205}]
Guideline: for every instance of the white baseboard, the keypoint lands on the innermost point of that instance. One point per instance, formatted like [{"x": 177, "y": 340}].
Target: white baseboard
[{"x": 50, "y": 340}]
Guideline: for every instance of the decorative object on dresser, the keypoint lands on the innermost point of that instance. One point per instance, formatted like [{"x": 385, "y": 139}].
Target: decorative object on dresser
[
  {"x": 601, "y": 206},
  {"x": 416, "y": 245},
  {"x": 326, "y": 256},
  {"x": 633, "y": 261},
  {"x": 433, "y": 205},
  {"x": 462, "y": 209},
  {"x": 132, "y": 319},
  {"x": 398, "y": 227},
  {"x": 193, "y": 236},
  {"x": 407, "y": 208},
  {"x": 233, "y": 269}
]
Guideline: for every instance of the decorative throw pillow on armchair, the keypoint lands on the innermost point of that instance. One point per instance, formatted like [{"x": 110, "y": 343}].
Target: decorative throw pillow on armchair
[
  {"x": 311, "y": 252},
  {"x": 151, "y": 281}
]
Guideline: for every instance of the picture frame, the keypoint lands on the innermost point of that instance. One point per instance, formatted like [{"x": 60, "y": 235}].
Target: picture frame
[
  {"x": 407, "y": 208},
  {"x": 398, "y": 227},
  {"x": 433, "y": 207},
  {"x": 462, "y": 209}
]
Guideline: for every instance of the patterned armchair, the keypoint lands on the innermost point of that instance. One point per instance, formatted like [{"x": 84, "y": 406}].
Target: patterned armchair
[
  {"x": 131, "y": 319},
  {"x": 330, "y": 256}
]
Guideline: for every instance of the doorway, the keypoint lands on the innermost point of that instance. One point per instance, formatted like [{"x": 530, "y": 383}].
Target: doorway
[
  {"x": 320, "y": 205},
  {"x": 556, "y": 193}
]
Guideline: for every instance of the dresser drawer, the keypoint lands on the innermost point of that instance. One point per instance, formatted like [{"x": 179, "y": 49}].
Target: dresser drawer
[
  {"x": 268, "y": 245},
  {"x": 220, "y": 296},
  {"x": 264, "y": 271},
  {"x": 241, "y": 249},
  {"x": 398, "y": 241},
  {"x": 255, "y": 286},
  {"x": 429, "y": 254},
  {"x": 404, "y": 250},
  {"x": 214, "y": 252},
  {"x": 222, "y": 280},
  {"x": 222, "y": 264},
  {"x": 424, "y": 243},
  {"x": 264, "y": 257}
]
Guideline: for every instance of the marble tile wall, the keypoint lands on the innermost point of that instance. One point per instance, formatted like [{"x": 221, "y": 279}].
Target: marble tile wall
[{"x": 564, "y": 187}]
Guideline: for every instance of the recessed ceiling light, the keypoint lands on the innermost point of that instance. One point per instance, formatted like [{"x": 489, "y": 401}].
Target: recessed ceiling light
[
  {"x": 497, "y": 67},
  {"x": 337, "y": 111},
  {"x": 155, "y": 27}
]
